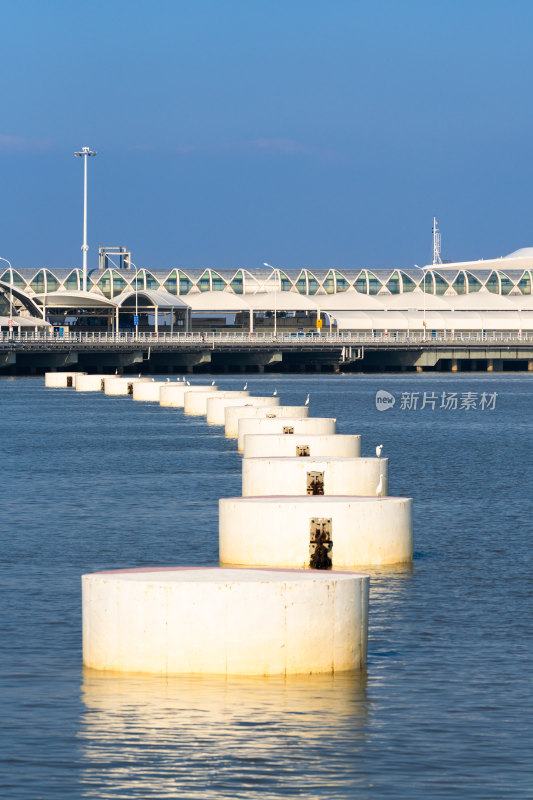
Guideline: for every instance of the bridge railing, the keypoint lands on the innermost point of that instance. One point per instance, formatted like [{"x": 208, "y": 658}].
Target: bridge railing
[{"x": 18, "y": 336}]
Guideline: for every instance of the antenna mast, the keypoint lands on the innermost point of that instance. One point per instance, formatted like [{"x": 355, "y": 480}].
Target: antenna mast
[{"x": 436, "y": 243}]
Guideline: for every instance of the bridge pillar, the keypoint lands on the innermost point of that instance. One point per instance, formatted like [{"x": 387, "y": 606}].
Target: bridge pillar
[
  {"x": 7, "y": 359},
  {"x": 419, "y": 369},
  {"x": 494, "y": 364},
  {"x": 530, "y": 365},
  {"x": 456, "y": 365}
]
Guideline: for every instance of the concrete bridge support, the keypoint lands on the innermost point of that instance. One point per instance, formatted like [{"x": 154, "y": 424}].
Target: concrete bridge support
[
  {"x": 103, "y": 361},
  {"x": 7, "y": 360}
]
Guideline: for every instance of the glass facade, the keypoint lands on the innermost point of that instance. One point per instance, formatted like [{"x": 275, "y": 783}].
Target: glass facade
[
  {"x": 342, "y": 284},
  {"x": 301, "y": 284},
  {"x": 237, "y": 283},
  {"x": 440, "y": 284},
  {"x": 185, "y": 283},
  {"x": 408, "y": 285},
  {"x": 393, "y": 284},
  {"x": 524, "y": 284},
  {"x": 171, "y": 283},
  {"x": 474, "y": 285},
  {"x": 329, "y": 283},
  {"x": 104, "y": 284},
  {"x": 119, "y": 284},
  {"x": 113, "y": 281},
  {"x": 493, "y": 283},
  {"x": 361, "y": 284},
  {"x": 151, "y": 281},
  {"x": 38, "y": 283},
  {"x": 218, "y": 283},
  {"x": 312, "y": 283},
  {"x": 12, "y": 277},
  {"x": 506, "y": 284},
  {"x": 374, "y": 285},
  {"x": 459, "y": 283},
  {"x": 74, "y": 281},
  {"x": 204, "y": 284}
]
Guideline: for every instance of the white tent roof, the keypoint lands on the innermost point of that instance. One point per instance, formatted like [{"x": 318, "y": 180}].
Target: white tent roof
[
  {"x": 283, "y": 301},
  {"x": 350, "y": 300},
  {"x": 217, "y": 301},
  {"x": 74, "y": 299},
  {"x": 410, "y": 300},
  {"x": 25, "y": 322},
  {"x": 480, "y": 301},
  {"x": 158, "y": 298}
]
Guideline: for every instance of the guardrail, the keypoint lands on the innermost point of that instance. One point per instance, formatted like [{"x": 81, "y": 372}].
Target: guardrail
[{"x": 262, "y": 339}]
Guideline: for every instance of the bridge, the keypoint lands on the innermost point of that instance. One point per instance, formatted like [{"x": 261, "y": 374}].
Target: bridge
[{"x": 33, "y": 352}]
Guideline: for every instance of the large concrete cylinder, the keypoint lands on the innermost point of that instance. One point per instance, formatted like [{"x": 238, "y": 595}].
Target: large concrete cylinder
[
  {"x": 89, "y": 383},
  {"x": 173, "y": 394},
  {"x": 282, "y": 531},
  {"x": 224, "y": 621},
  {"x": 195, "y": 403},
  {"x": 148, "y": 392},
  {"x": 233, "y": 414},
  {"x": 216, "y": 406},
  {"x": 284, "y": 426},
  {"x": 61, "y": 380},
  {"x": 315, "y": 476},
  {"x": 302, "y": 444},
  {"x": 114, "y": 385}
]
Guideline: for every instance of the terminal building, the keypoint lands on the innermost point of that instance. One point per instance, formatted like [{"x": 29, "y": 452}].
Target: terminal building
[{"x": 491, "y": 297}]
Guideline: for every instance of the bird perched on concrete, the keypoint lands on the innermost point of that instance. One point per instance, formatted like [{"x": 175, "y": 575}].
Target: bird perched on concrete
[
  {"x": 306, "y": 401},
  {"x": 212, "y": 383},
  {"x": 379, "y": 489},
  {"x": 187, "y": 383},
  {"x": 116, "y": 372},
  {"x": 245, "y": 386},
  {"x": 379, "y": 448},
  {"x": 275, "y": 393},
  {"x": 168, "y": 379}
]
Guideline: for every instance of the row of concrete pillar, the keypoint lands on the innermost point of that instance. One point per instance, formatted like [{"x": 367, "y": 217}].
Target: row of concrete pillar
[{"x": 285, "y": 598}]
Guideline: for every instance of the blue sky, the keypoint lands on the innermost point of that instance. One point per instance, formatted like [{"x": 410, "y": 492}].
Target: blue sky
[{"x": 302, "y": 133}]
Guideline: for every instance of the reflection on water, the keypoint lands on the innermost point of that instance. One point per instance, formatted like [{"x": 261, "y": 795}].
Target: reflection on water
[
  {"x": 144, "y": 736},
  {"x": 99, "y": 483}
]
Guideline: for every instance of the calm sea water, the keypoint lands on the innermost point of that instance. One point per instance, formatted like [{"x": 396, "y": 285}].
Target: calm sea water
[{"x": 444, "y": 709}]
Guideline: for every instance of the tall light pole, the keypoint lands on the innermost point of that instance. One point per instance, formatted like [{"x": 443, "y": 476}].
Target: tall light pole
[
  {"x": 276, "y": 279},
  {"x": 84, "y": 153}
]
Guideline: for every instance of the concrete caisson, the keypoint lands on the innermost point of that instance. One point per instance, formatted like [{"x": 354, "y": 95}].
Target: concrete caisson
[
  {"x": 234, "y": 414},
  {"x": 280, "y": 531},
  {"x": 90, "y": 383},
  {"x": 114, "y": 385},
  {"x": 302, "y": 444},
  {"x": 216, "y": 406},
  {"x": 173, "y": 394},
  {"x": 284, "y": 426},
  {"x": 195, "y": 403},
  {"x": 61, "y": 380},
  {"x": 314, "y": 476},
  {"x": 224, "y": 621},
  {"x": 148, "y": 392}
]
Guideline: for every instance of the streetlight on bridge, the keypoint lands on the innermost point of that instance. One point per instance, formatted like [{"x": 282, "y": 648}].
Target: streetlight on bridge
[{"x": 84, "y": 153}]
